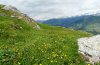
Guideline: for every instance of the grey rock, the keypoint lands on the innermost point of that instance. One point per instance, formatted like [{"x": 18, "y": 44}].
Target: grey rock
[
  {"x": 9, "y": 7},
  {"x": 19, "y": 15},
  {"x": 37, "y": 27},
  {"x": 90, "y": 48}
]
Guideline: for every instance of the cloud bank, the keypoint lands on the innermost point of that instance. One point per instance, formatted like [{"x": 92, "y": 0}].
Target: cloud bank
[{"x": 43, "y": 9}]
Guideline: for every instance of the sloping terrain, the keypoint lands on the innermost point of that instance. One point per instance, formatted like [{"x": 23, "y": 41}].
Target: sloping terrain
[
  {"x": 10, "y": 11},
  {"x": 89, "y": 23},
  {"x": 21, "y": 44}
]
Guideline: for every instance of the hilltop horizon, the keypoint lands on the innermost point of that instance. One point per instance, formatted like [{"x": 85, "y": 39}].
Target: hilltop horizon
[{"x": 43, "y": 10}]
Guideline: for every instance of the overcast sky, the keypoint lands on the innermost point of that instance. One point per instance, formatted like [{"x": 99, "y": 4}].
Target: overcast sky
[{"x": 46, "y": 9}]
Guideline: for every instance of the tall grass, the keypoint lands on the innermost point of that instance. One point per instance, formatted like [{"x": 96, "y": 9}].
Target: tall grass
[{"x": 20, "y": 44}]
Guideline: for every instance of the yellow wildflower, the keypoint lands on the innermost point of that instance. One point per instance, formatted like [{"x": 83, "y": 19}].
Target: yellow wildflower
[
  {"x": 40, "y": 64},
  {"x": 6, "y": 54},
  {"x": 88, "y": 64},
  {"x": 51, "y": 61},
  {"x": 65, "y": 55},
  {"x": 19, "y": 63}
]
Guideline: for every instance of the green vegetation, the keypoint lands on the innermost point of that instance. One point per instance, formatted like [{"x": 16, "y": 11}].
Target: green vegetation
[
  {"x": 89, "y": 23},
  {"x": 20, "y": 44},
  {"x": 5, "y": 12}
]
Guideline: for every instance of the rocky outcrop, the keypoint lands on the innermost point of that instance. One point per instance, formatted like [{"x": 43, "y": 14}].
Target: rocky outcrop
[
  {"x": 90, "y": 48},
  {"x": 9, "y": 7},
  {"x": 17, "y": 14}
]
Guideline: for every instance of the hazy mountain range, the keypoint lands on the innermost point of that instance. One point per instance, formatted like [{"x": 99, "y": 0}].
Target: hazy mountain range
[{"x": 89, "y": 23}]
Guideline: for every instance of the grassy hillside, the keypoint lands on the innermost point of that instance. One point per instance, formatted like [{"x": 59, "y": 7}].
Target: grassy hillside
[
  {"x": 20, "y": 44},
  {"x": 10, "y": 11}
]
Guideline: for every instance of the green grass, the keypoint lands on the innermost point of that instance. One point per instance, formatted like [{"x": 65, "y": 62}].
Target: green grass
[{"x": 20, "y": 44}]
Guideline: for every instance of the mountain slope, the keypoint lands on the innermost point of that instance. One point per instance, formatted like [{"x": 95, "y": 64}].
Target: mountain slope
[
  {"x": 12, "y": 12},
  {"x": 89, "y": 23},
  {"x": 20, "y": 44}
]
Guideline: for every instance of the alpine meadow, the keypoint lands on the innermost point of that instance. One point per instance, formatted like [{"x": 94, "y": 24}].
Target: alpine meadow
[{"x": 26, "y": 42}]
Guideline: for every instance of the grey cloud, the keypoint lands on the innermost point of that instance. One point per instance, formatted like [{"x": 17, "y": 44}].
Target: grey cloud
[{"x": 43, "y": 9}]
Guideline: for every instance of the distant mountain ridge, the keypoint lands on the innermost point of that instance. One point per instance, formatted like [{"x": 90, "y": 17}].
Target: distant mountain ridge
[{"x": 89, "y": 23}]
